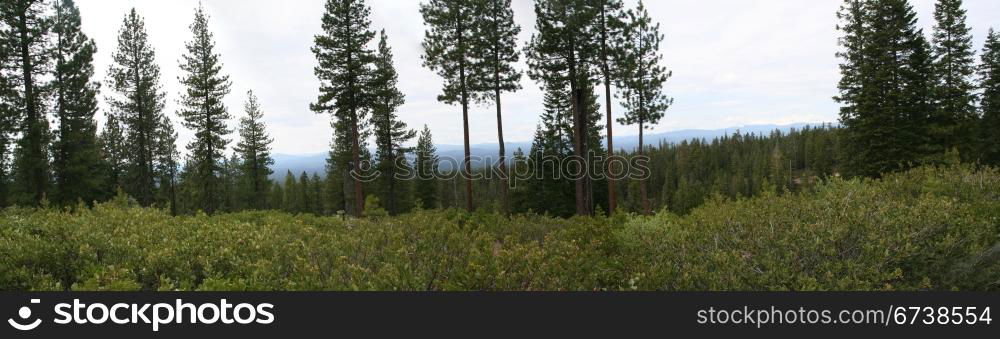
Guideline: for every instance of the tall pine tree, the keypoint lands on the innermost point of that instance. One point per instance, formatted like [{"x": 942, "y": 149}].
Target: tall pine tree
[
  {"x": 989, "y": 80},
  {"x": 391, "y": 133},
  {"x": 345, "y": 64},
  {"x": 28, "y": 24},
  {"x": 611, "y": 25},
  {"x": 76, "y": 157},
  {"x": 130, "y": 137},
  {"x": 204, "y": 112},
  {"x": 496, "y": 54},
  {"x": 954, "y": 68},
  {"x": 254, "y": 150},
  {"x": 642, "y": 81},
  {"x": 885, "y": 89},
  {"x": 449, "y": 49},
  {"x": 565, "y": 51}
]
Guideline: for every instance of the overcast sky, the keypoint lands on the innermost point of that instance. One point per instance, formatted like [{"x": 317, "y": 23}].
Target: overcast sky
[{"x": 735, "y": 62}]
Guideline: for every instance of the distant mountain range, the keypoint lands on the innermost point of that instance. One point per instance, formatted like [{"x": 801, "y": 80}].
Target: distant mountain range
[{"x": 316, "y": 163}]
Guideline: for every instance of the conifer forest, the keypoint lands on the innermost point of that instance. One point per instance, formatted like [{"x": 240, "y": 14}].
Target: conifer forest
[{"x": 111, "y": 180}]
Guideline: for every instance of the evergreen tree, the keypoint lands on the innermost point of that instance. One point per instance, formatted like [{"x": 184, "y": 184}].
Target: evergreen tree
[
  {"x": 167, "y": 163},
  {"x": 548, "y": 191},
  {"x": 305, "y": 197},
  {"x": 204, "y": 112},
  {"x": 643, "y": 79},
  {"x": 292, "y": 199},
  {"x": 989, "y": 80},
  {"x": 77, "y": 158},
  {"x": 449, "y": 49},
  {"x": 254, "y": 150},
  {"x": 564, "y": 51},
  {"x": 230, "y": 198},
  {"x": 496, "y": 54},
  {"x": 130, "y": 136},
  {"x": 277, "y": 199},
  {"x": 425, "y": 164},
  {"x": 344, "y": 70},
  {"x": 954, "y": 68},
  {"x": 885, "y": 87},
  {"x": 611, "y": 25},
  {"x": 28, "y": 24},
  {"x": 390, "y": 132},
  {"x": 113, "y": 149},
  {"x": 316, "y": 194}
]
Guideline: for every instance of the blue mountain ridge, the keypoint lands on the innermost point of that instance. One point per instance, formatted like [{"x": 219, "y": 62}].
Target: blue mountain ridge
[{"x": 316, "y": 163}]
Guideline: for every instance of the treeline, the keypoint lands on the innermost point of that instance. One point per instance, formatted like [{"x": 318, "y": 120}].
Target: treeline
[
  {"x": 48, "y": 72},
  {"x": 47, "y": 65},
  {"x": 906, "y": 100}
]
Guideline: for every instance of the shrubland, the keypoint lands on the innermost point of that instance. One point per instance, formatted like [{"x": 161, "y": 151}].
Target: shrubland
[{"x": 932, "y": 228}]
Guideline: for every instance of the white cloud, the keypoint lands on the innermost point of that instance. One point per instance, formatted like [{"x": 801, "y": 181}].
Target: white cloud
[{"x": 735, "y": 62}]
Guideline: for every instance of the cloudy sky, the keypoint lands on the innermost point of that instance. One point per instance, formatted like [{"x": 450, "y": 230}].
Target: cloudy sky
[{"x": 735, "y": 62}]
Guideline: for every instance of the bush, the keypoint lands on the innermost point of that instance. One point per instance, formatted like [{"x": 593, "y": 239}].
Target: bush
[{"x": 931, "y": 228}]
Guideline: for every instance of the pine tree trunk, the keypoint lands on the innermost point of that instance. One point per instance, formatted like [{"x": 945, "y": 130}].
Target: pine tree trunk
[
  {"x": 465, "y": 121},
  {"x": 504, "y": 182},
  {"x": 583, "y": 189},
  {"x": 642, "y": 182},
  {"x": 612, "y": 185}
]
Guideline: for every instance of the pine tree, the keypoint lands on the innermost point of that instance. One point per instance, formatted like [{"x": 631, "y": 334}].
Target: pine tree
[
  {"x": 304, "y": 198},
  {"x": 130, "y": 136},
  {"x": 885, "y": 87},
  {"x": 989, "y": 82},
  {"x": 643, "y": 78},
  {"x": 113, "y": 150},
  {"x": 203, "y": 110},
  {"x": 611, "y": 25},
  {"x": 277, "y": 199},
  {"x": 390, "y": 132},
  {"x": 564, "y": 51},
  {"x": 254, "y": 149},
  {"x": 449, "y": 49},
  {"x": 26, "y": 37},
  {"x": 230, "y": 199},
  {"x": 425, "y": 165},
  {"x": 292, "y": 199},
  {"x": 496, "y": 53},
  {"x": 954, "y": 67},
  {"x": 344, "y": 70},
  {"x": 167, "y": 163},
  {"x": 316, "y": 187},
  {"x": 77, "y": 158}
]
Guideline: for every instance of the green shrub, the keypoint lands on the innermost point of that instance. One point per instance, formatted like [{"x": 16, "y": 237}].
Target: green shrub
[{"x": 931, "y": 228}]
